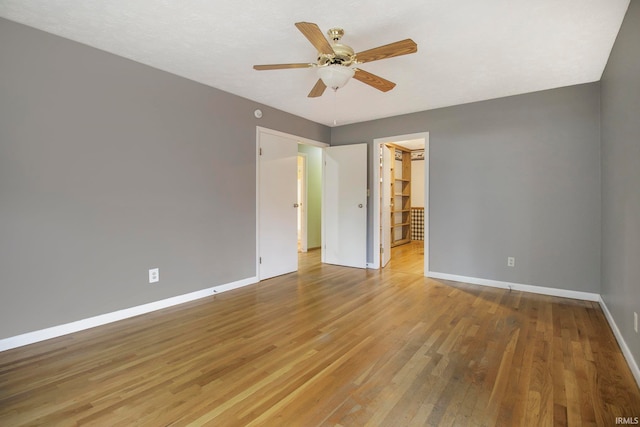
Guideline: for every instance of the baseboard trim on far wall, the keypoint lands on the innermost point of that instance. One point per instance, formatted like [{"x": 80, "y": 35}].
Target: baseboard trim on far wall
[
  {"x": 621, "y": 342},
  {"x": 564, "y": 293},
  {"x": 103, "y": 319}
]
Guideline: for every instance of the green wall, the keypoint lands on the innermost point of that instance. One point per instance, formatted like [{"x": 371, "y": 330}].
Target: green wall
[{"x": 314, "y": 194}]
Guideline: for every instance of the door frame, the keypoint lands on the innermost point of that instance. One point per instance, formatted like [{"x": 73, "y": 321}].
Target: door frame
[
  {"x": 377, "y": 143},
  {"x": 295, "y": 139},
  {"x": 385, "y": 213}
]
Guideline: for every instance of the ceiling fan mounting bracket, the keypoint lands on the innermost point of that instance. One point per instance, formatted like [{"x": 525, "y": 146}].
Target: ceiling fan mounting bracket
[{"x": 335, "y": 34}]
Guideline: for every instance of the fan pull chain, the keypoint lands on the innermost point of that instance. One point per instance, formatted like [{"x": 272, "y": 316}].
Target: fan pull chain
[{"x": 335, "y": 106}]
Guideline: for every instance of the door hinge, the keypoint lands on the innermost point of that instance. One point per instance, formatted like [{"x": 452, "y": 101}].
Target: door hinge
[
  {"x": 260, "y": 150},
  {"x": 260, "y": 260},
  {"x": 381, "y": 249}
]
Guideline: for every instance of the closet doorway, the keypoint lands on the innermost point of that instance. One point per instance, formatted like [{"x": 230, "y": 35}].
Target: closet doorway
[{"x": 401, "y": 197}]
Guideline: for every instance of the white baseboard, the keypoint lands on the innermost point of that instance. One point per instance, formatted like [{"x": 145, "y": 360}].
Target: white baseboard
[
  {"x": 103, "y": 319},
  {"x": 564, "y": 293},
  {"x": 621, "y": 342}
]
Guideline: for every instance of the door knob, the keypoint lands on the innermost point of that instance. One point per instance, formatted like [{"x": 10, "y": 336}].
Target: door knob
[
  {"x": 295, "y": 205},
  {"x": 360, "y": 205}
]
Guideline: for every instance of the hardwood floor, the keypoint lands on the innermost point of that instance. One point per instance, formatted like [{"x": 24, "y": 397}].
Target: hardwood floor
[
  {"x": 333, "y": 346},
  {"x": 408, "y": 258}
]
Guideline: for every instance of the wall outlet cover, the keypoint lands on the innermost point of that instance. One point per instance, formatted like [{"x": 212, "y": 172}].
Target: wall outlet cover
[{"x": 154, "y": 275}]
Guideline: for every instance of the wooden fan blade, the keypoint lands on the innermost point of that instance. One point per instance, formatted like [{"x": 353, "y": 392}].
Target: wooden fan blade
[
  {"x": 403, "y": 47},
  {"x": 315, "y": 36},
  {"x": 281, "y": 66},
  {"x": 317, "y": 90},
  {"x": 373, "y": 80}
]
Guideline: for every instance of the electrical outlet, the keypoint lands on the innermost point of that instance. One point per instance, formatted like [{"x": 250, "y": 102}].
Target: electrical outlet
[
  {"x": 511, "y": 261},
  {"x": 154, "y": 275},
  {"x": 635, "y": 321}
]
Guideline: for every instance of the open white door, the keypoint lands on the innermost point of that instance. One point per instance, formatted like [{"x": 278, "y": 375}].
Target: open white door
[
  {"x": 345, "y": 205},
  {"x": 385, "y": 207},
  {"x": 277, "y": 222}
]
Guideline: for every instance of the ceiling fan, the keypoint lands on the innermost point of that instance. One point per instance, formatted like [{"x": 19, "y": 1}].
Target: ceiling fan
[{"x": 336, "y": 61}]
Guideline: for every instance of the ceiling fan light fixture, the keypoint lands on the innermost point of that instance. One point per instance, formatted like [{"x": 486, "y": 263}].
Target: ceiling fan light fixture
[{"x": 335, "y": 76}]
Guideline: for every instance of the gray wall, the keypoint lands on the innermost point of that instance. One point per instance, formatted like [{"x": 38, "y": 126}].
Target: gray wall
[
  {"x": 109, "y": 168},
  {"x": 516, "y": 176},
  {"x": 621, "y": 179}
]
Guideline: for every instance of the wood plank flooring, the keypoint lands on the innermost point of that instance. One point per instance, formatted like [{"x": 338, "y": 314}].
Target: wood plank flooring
[{"x": 337, "y": 347}]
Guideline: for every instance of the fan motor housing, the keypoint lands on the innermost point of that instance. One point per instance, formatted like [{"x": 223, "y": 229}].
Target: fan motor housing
[{"x": 344, "y": 55}]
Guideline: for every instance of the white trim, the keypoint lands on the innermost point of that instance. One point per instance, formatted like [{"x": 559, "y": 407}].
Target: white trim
[
  {"x": 563, "y": 293},
  {"x": 103, "y": 319},
  {"x": 259, "y": 130},
  {"x": 377, "y": 142},
  {"x": 372, "y": 266},
  {"x": 300, "y": 139},
  {"x": 427, "y": 215},
  {"x": 323, "y": 245},
  {"x": 621, "y": 342}
]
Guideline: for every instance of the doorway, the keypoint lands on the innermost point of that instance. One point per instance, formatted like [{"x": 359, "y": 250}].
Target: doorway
[
  {"x": 343, "y": 174},
  {"x": 311, "y": 198},
  {"x": 400, "y": 197},
  {"x": 302, "y": 202},
  {"x": 278, "y": 201}
]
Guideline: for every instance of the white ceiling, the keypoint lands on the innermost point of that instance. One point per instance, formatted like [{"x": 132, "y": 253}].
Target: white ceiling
[
  {"x": 468, "y": 50},
  {"x": 412, "y": 144}
]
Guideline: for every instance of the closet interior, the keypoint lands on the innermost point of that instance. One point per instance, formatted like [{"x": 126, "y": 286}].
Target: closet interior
[
  {"x": 407, "y": 216},
  {"x": 400, "y": 195}
]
